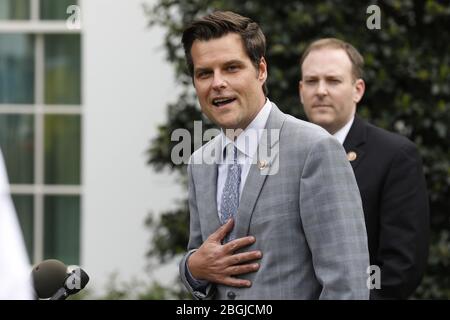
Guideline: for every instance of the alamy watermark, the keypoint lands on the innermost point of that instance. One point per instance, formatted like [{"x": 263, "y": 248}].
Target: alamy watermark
[
  {"x": 265, "y": 156},
  {"x": 73, "y": 281},
  {"x": 374, "y": 279},
  {"x": 73, "y": 22},
  {"x": 374, "y": 20}
]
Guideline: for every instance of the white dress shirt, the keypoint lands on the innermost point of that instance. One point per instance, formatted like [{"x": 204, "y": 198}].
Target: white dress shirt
[
  {"x": 342, "y": 133},
  {"x": 15, "y": 270},
  {"x": 247, "y": 145}
]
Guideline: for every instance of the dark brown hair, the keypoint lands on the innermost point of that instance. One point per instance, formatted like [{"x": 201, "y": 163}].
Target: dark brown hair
[{"x": 219, "y": 24}]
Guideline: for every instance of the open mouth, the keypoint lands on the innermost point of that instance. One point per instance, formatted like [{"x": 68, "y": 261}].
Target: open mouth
[{"x": 219, "y": 102}]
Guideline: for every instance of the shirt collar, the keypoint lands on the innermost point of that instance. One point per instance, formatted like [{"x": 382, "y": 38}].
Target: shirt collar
[
  {"x": 342, "y": 133},
  {"x": 247, "y": 141}
]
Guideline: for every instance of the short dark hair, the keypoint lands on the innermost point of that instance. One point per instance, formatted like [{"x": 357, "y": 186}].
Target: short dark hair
[
  {"x": 355, "y": 57},
  {"x": 219, "y": 24}
]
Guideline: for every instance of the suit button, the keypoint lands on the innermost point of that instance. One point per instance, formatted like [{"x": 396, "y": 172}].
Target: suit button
[{"x": 231, "y": 295}]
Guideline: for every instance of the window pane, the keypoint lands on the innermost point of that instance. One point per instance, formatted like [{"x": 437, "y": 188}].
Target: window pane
[
  {"x": 14, "y": 9},
  {"x": 62, "y": 228},
  {"x": 55, "y": 9},
  {"x": 62, "y": 149},
  {"x": 17, "y": 144},
  {"x": 16, "y": 68},
  {"x": 62, "y": 69},
  {"x": 24, "y": 209}
]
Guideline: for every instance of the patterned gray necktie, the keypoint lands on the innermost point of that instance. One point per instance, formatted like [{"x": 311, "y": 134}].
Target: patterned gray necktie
[{"x": 230, "y": 194}]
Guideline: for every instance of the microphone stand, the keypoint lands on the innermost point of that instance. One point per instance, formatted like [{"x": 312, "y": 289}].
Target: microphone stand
[{"x": 61, "y": 294}]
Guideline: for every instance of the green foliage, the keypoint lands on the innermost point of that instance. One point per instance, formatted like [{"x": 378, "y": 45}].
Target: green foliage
[
  {"x": 134, "y": 289},
  {"x": 407, "y": 78},
  {"x": 172, "y": 239},
  {"x": 139, "y": 290}
]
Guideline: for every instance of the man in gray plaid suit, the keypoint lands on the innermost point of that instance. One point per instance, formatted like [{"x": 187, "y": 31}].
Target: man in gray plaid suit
[{"x": 275, "y": 212}]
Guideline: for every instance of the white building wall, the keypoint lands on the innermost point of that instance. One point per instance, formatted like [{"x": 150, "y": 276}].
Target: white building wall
[{"x": 126, "y": 87}]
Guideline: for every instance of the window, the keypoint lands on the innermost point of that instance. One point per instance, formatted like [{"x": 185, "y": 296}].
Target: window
[
  {"x": 14, "y": 9},
  {"x": 40, "y": 124}
]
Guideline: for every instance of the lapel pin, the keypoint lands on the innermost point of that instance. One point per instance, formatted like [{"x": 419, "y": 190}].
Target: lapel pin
[
  {"x": 262, "y": 164},
  {"x": 351, "y": 156}
]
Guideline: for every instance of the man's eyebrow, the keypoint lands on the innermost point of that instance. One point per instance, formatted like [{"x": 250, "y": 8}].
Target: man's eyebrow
[
  {"x": 334, "y": 76},
  {"x": 201, "y": 69},
  {"x": 226, "y": 64},
  {"x": 327, "y": 76},
  {"x": 233, "y": 62}
]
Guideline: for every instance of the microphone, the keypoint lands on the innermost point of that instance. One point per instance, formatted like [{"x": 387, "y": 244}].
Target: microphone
[
  {"x": 48, "y": 276},
  {"x": 52, "y": 279}
]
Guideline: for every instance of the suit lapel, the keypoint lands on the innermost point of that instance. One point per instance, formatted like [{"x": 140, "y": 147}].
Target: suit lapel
[
  {"x": 211, "y": 158},
  {"x": 354, "y": 142},
  {"x": 266, "y": 162}
]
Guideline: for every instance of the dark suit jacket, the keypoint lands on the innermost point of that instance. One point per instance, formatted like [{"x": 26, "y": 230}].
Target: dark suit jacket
[{"x": 388, "y": 170}]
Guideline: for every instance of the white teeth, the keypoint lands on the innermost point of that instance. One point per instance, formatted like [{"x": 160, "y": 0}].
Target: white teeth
[{"x": 220, "y": 100}]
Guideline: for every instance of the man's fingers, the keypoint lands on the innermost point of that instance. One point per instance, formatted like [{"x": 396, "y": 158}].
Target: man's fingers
[
  {"x": 243, "y": 257},
  {"x": 243, "y": 268},
  {"x": 220, "y": 233},
  {"x": 236, "y": 244},
  {"x": 235, "y": 282}
]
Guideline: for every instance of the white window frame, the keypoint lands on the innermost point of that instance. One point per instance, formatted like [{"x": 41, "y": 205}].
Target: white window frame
[{"x": 40, "y": 28}]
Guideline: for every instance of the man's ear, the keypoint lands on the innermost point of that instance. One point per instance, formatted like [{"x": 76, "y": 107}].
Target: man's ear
[
  {"x": 262, "y": 76},
  {"x": 358, "y": 90}
]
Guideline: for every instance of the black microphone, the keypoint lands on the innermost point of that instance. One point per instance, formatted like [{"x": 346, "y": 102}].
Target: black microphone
[
  {"x": 48, "y": 276},
  {"x": 51, "y": 279}
]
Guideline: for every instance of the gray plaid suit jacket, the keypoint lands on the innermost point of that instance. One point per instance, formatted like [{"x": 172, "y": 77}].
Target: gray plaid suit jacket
[{"x": 303, "y": 208}]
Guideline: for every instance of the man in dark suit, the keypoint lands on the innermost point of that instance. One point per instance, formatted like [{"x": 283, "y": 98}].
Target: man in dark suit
[{"x": 387, "y": 167}]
